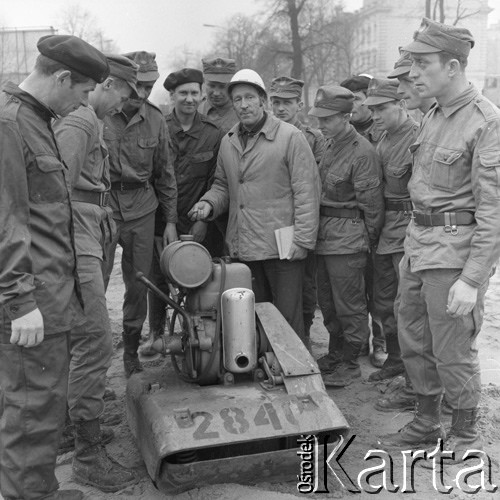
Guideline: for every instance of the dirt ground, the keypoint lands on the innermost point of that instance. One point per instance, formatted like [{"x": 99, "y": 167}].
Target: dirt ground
[{"x": 356, "y": 402}]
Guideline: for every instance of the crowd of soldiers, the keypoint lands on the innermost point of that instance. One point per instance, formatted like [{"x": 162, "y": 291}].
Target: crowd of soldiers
[{"x": 395, "y": 225}]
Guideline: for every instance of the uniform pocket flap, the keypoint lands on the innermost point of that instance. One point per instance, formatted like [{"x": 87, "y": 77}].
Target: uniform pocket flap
[
  {"x": 364, "y": 184},
  {"x": 399, "y": 171},
  {"x": 48, "y": 163},
  {"x": 447, "y": 156},
  {"x": 200, "y": 157},
  {"x": 490, "y": 158},
  {"x": 148, "y": 142}
]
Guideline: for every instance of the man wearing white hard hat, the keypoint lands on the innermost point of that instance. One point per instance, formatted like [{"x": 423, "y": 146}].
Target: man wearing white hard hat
[{"x": 267, "y": 179}]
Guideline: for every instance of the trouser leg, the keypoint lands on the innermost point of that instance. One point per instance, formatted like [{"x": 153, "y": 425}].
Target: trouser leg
[
  {"x": 309, "y": 293},
  {"x": 378, "y": 334},
  {"x": 91, "y": 346},
  {"x": 109, "y": 253},
  {"x": 34, "y": 386},
  {"x": 136, "y": 239},
  {"x": 346, "y": 274},
  {"x": 327, "y": 306},
  {"x": 156, "y": 306},
  {"x": 280, "y": 282}
]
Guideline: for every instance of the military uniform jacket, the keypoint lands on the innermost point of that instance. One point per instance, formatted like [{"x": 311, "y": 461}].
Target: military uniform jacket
[
  {"x": 224, "y": 117},
  {"x": 139, "y": 152},
  {"x": 271, "y": 184},
  {"x": 84, "y": 151},
  {"x": 314, "y": 138},
  {"x": 369, "y": 131},
  {"x": 194, "y": 156},
  {"x": 456, "y": 166},
  {"x": 37, "y": 253},
  {"x": 351, "y": 177},
  {"x": 396, "y": 158}
]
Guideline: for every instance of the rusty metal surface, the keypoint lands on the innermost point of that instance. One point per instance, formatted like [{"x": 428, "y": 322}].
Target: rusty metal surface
[
  {"x": 169, "y": 417},
  {"x": 294, "y": 358}
]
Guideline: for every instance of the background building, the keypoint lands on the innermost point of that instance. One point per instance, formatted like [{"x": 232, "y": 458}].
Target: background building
[{"x": 18, "y": 51}]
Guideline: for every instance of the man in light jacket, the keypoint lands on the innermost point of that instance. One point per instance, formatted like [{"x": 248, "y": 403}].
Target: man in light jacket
[{"x": 267, "y": 178}]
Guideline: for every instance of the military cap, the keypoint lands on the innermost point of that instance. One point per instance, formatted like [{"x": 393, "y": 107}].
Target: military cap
[
  {"x": 402, "y": 66},
  {"x": 332, "y": 99},
  {"x": 148, "y": 69},
  {"x": 436, "y": 37},
  {"x": 357, "y": 83},
  {"x": 382, "y": 90},
  {"x": 286, "y": 87},
  {"x": 76, "y": 54},
  {"x": 185, "y": 75},
  {"x": 122, "y": 67},
  {"x": 219, "y": 69}
]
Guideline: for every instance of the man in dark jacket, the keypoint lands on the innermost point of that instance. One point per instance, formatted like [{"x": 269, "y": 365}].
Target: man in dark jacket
[{"x": 39, "y": 295}]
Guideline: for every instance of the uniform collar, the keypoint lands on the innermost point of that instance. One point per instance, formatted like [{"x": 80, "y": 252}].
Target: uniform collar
[
  {"x": 459, "y": 102},
  {"x": 195, "y": 129},
  {"x": 38, "y": 107}
]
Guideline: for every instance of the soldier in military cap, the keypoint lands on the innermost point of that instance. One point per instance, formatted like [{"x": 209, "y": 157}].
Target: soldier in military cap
[
  {"x": 286, "y": 100},
  {"x": 363, "y": 123},
  {"x": 83, "y": 149},
  {"x": 389, "y": 114},
  {"x": 413, "y": 100},
  {"x": 142, "y": 178},
  {"x": 194, "y": 142},
  {"x": 452, "y": 242},
  {"x": 40, "y": 300},
  {"x": 217, "y": 73},
  {"x": 351, "y": 216}
]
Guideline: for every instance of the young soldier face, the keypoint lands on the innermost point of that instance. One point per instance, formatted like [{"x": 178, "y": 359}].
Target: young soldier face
[
  {"x": 113, "y": 96},
  {"x": 217, "y": 93},
  {"x": 430, "y": 77},
  {"x": 186, "y": 98},
  {"x": 286, "y": 109},
  {"x": 70, "y": 96},
  {"x": 247, "y": 104},
  {"x": 386, "y": 115},
  {"x": 409, "y": 92},
  {"x": 332, "y": 125},
  {"x": 360, "y": 112},
  {"x": 143, "y": 91}
]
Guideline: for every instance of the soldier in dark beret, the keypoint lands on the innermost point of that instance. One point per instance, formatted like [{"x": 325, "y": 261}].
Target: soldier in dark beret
[
  {"x": 452, "y": 243},
  {"x": 217, "y": 73},
  {"x": 40, "y": 300},
  {"x": 142, "y": 179},
  {"x": 194, "y": 140},
  {"x": 351, "y": 216},
  {"x": 286, "y": 100},
  {"x": 83, "y": 149}
]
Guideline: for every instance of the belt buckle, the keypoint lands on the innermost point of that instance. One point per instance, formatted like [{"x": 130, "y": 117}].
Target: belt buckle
[
  {"x": 412, "y": 215},
  {"x": 104, "y": 199},
  {"x": 451, "y": 228}
]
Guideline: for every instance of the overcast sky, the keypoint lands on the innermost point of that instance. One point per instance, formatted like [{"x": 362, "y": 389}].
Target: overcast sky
[{"x": 160, "y": 26}]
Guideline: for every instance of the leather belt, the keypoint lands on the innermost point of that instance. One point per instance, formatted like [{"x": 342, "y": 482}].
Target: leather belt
[
  {"x": 343, "y": 213},
  {"x": 96, "y": 198},
  {"x": 450, "y": 220},
  {"x": 398, "y": 205},
  {"x": 128, "y": 186}
]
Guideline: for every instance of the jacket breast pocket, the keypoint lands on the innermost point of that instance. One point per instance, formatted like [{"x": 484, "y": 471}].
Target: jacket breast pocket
[
  {"x": 337, "y": 188},
  {"x": 146, "y": 150},
  {"x": 447, "y": 172},
  {"x": 396, "y": 179},
  {"x": 46, "y": 181},
  {"x": 201, "y": 164}
]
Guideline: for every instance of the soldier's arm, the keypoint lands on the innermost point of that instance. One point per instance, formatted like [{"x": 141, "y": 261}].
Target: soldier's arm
[
  {"x": 366, "y": 177},
  {"x": 75, "y": 136},
  {"x": 16, "y": 278}
]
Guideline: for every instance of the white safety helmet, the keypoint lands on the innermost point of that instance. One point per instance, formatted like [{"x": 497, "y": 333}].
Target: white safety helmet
[{"x": 248, "y": 76}]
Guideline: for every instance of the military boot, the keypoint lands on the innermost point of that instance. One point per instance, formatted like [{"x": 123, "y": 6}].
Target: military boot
[
  {"x": 347, "y": 370},
  {"x": 329, "y": 362},
  {"x": 92, "y": 465},
  {"x": 131, "y": 363},
  {"x": 393, "y": 364},
  {"x": 424, "y": 429},
  {"x": 463, "y": 434},
  {"x": 67, "y": 442},
  {"x": 400, "y": 400}
]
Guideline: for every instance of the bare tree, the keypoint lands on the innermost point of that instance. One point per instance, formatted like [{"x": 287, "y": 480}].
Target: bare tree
[
  {"x": 438, "y": 11},
  {"x": 79, "y": 22}
]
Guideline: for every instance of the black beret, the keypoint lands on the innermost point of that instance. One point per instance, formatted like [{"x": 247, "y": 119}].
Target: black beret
[
  {"x": 357, "y": 83},
  {"x": 76, "y": 54},
  {"x": 185, "y": 75}
]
